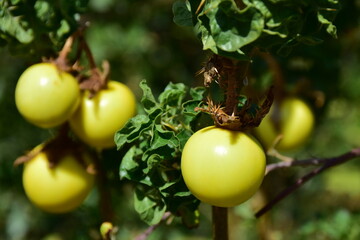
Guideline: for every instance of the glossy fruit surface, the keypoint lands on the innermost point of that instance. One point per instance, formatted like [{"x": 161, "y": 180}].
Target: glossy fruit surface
[
  {"x": 46, "y": 96},
  {"x": 293, "y": 119},
  {"x": 98, "y": 118},
  {"x": 60, "y": 189},
  {"x": 221, "y": 167}
]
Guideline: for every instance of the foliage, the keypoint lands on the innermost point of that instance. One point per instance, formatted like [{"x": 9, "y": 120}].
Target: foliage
[
  {"x": 232, "y": 28},
  {"x": 141, "y": 42},
  {"x": 153, "y": 160},
  {"x": 38, "y": 26}
]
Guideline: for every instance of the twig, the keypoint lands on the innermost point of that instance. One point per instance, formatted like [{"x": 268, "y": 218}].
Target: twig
[
  {"x": 220, "y": 223},
  {"x": 327, "y": 163},
  {"x": 308, "y": 162},
  {"x": 97, "y": 80},
  {"x": 315, "y": 161},
  {"x": 149, "y": 230}
]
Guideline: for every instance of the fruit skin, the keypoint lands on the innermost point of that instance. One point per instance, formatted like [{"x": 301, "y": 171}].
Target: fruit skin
[
  {"x": 222, "y": 167},
  {"x": 98, "y": 118},
  {"x": 46, "y": 96},
  {"x": 295, "y": 121},
  {"x": 60, "y": 189}
]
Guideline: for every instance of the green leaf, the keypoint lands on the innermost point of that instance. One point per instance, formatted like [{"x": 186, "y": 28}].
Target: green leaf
[
  {"x": 182, "y": 194},
  {"x": 182, "y": 137},
  {"x": 128, "y": 163},
  {"x": 197, "y": 93},
  {"x": 13, "y": 26},
  {"x": 330, "y": 27},
  {"x": 148, "y": 100},
  {"x": 232, "y": 28},
  {"x": 182, "y": 14},
  {"x": 163, "y": 189},
  {"x": 153, "y": 160},
  {"x": 227, "y": 30},
  {"x": 163, "y": 137},
  {"x": 132, "y": 130},
  {"x": 173, "y": 94},
  {"x": 150, "y": 210},
  {"x": 38, "y": 28}
]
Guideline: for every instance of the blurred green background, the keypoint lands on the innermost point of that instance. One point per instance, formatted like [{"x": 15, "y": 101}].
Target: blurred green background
[{"x": 141, "y": 41}]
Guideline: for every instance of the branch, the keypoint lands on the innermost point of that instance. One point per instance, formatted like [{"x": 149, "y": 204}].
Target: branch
[
  {"x": 327, "y": 163},
  {"x": 149, "y": 230},
  {"x": 106, "y": 207},
  {"x": 220, "y": 223}
]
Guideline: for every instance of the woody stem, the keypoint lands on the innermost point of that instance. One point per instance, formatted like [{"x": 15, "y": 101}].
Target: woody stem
[{"x": 220, "y": 223}]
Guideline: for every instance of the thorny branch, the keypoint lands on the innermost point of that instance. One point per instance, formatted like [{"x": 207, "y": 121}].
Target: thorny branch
[{"x": 325, "y": 162}]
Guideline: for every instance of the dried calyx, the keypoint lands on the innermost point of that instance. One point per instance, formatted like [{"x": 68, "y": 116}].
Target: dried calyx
[
  {"x": 56, "y": 149},
  {"x": 235, "y": 112},
  {"x": 92, "y": 78}
]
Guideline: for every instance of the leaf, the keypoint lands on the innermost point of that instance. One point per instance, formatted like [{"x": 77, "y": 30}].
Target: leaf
[
  {"x": 173, "y": 94},
  {"x": 38, "y": 28},
  {"x": 128, "y": 163},
  {"x": 197, "y": 93},
  {"x": 182, "y": 137},
  {"x": 12, "y": 26},
  {"x": 165, "y": 187},
  {"x": 330, "y": 27},
  {"x": 227, "y": 28},
  {"x": 150, "y": 210},
  {"x": 229, "y": 31},
  {"x": 153, "y": 160},
  {"x": 162, "y": 138},
  {"x": 232, "y": 28},
  {"x": 182, "y": 14},
  {"x": 183, "y": 194},
  {"x": 148, "y": 99},
  {"x": 132, "y": 130}
]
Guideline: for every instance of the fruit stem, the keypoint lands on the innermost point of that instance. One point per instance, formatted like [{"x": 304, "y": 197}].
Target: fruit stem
[
  {"x": 102, "y": 78},
  {"x": 234, "y": 75},
  {"x": 98, "y": 79},
  {"x": 61, "y": 61},
  {"x": 220, "y": 223}
]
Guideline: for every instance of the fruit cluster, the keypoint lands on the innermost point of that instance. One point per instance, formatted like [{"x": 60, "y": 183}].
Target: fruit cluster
[
  {"x": 56, "y": 174},
  {"x": 47, "y": 97}
]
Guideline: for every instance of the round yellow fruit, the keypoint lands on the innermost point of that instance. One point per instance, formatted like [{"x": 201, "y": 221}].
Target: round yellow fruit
[
  {"x": 46, "y": 96},
  {"x": 59, "y": 189},
  {"x": 98, "y": 118},
  {"x": 292, "y": 119},
  {"x": 222, "y": 167}
]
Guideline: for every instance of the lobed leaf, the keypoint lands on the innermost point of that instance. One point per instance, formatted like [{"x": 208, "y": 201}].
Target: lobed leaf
[
  {"x": 231, "y": 30},
  {"x": 151, "y": 211},
  {"x": 38, "y": 28},
  {"x": 182, "y": 14},
  {"x": 156, "y": 139}
]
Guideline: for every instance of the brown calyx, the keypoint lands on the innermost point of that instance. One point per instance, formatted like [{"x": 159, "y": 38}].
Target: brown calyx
[
  {"x": 56, "y": 149},
  {"x": 231, "y": 76}
]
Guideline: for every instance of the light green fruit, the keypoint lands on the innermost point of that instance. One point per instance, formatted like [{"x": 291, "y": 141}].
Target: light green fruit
[
  {"x": 292, "y": 119},
  {"x": 46, "y": 96}
]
